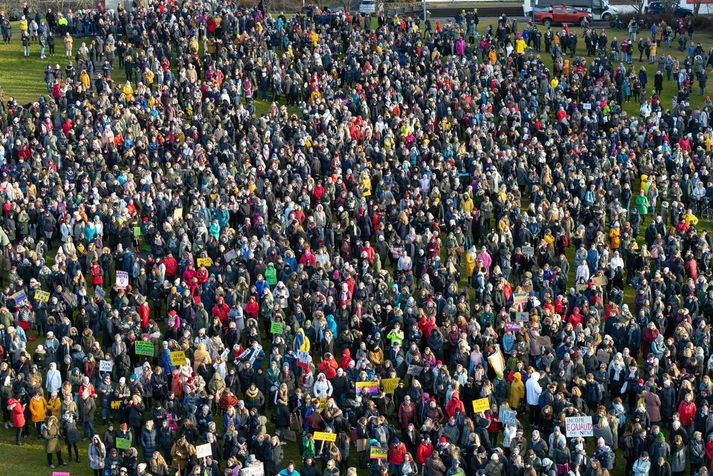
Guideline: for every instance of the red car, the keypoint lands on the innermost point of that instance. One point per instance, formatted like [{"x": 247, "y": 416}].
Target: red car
[{"x": 563, "y": 14}]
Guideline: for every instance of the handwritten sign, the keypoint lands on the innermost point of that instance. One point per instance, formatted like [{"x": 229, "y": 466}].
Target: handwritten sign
[
  {"x": 277, "y": 328},
  {"x": 377, "y": 452},
  {"x": 230, "y": 256},
  {"x": 203, "y": 451},
  {"x": 528, "y": 251},
  {"x": 520, "y": 298},
  {"x": 302, "y": 356},
  {"x": 42, "y": 296},
  {"x": 99, "y": 292},
  {"x": 122, "y": 279},
  {"x": 324, "y": 436},
  {"x": 123, "y": 444},
  {"x": 204, "y": 262},
  {"x": 143, "y": 348},
  {"x": 106, "y": 365},
  {"x": 508, "y": 417},
  {"x": 522, "y": 316},
  {"x": 586, "y": 106},
  {"x": 18, "y": 297},
  {"x": 579, "y": 426},
  {"x": 371, "y": 386},
  {"x": 178, "y": 357},
  {"x": 390, "y": 384},
  {"x": 481, "y": 405},
  {"x": 512, "y": 326},
  {"x": 178, "y": 213},
  {"x": 115, "y": 404}
]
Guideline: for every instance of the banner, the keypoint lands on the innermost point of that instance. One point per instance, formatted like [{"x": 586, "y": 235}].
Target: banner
[
  {"x": 122, "y": 444},
  {"x": 178, "y": 357},
  {"x": 324, "y": 436},
  {"x": 520, "y": 298},
  {"x": 203, "y": 451},
  {"x": 42, "y": 296},
  {"x": 277, "y": 328},
  {"x": 143, "y": 348},
  {"x": 18, "y": 297},
  {"x": 390, "y": 384},
  {"x": 512, "y": 326},
  {"x": 106, "y": 365},
  {"x": 122, "y": 279},
  {"x": 578, "y": 426},
  {"x": 372, "y": 387},
  {"x": 481, "y": 405},
  {"x": 377, "y": 452}
]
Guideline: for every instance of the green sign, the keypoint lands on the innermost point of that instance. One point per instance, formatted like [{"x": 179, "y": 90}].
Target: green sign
[
  {"x": 143, "y": 348},
  {"x": 277, "y": 328},
  {"x": 122, "y": 444},
  {"x": 137, "y": 231}
]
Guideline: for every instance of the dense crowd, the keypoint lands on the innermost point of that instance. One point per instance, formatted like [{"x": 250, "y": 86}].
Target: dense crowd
[{"x": 437, "y": 251}]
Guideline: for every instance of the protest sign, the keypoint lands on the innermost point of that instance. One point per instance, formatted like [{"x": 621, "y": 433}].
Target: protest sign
[
  {"x": 302, "y": 356},
  {"x": 99, "y": 292},
  {"x": 497, "y": 362},
  {"x": 123, "y": 444},
  {"x": 178, "y": 357},
  {"x": 324, "y": 436},
  {"x": 481, "y": 405},
  {"x": 579, "y": 426},
  {"x": 255, "y": 469},
  {"x": 230, "y": 256},
  {"x": 508, "y": 417},
  {"x": 371, "y": 386},
  {"x": 203, "y": 451},
  {"x": 18, "y": 297},
  {"x": 122, "y": 279},
  {"x": 42, "y": 296},
  {"x": 115, "y": 404},
  {"x": 204, "y": 262},
  {"x": 377, "y": 452},
  {"x": 277, "y": 328},
  {"x": 512, "y": 326},
  {"x": 586, "y": 106},
  {"x": 390, "y": 384},
  {"x": 522, "y": 316},
  {"x": 520, "y": 298},
  {"x": 106, "y": 365},
  {"x": 143, "y": 348},
  {"x": 528, "y": 251}
]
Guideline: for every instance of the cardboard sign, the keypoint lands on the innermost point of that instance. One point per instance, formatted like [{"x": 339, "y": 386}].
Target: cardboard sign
[
  {"x": 508, "y": 417},
  {"x": 178, "y": 357},
  {"x": 277, "y": 328},
  {"x": 600, "y": 281},
  {"x": 579, "y": 426},
  {"x": 42, "y": 296},
  {"x": 512, "y": 326},
  {"x": 390, "y": 384},
  {"x": 520, "y": 298},
  {"x": 372, "y": 387},
  {"x": 204, "y": 262},
  {"x": 203, "y": 451},
  {"x": 481, "y": 405},
  {"x": 324, "y": 436},
  {"x": 122, "y": 279},
  {"x": 528, "y": 251},
  {"x": 230, "y": 256},
  {"x": 143, "y": 348},
  {"x": 122, "y": 444},
  {"x": 106, "y": 365},
  {"x": 69, "y": 298},
  {"x": 377, "y": 452}
]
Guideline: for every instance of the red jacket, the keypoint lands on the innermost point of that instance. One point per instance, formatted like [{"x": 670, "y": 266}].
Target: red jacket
[
  {"x": 454, "y": 404},
  {"x": 397, "y": 453},
  {"x": 171, "y": 266},
  {"x": 221, "y": 310},
  {"x": 686, "y": 412},
  {"x": 18, "y": 412},
  {"x": 423, "y": 452},
  {"x": 144, "y": 313}
]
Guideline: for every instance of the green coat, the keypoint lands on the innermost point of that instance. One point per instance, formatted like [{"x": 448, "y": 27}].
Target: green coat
[{"x": 51, "y": 436}]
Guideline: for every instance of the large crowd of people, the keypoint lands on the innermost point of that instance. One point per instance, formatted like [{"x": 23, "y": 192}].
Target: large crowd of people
[{"x": 442, "y": 249}]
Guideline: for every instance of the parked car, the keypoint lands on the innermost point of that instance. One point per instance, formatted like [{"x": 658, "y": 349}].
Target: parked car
[
  {"x": 561, "y": 14},
  {"x": 657, "y": 8}
]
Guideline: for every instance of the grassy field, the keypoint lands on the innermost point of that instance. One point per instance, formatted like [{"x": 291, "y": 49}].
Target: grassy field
[{"x": 22, "y": 78}]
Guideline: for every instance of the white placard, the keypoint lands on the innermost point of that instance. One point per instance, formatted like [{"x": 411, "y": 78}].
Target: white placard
[
  {"x": 579, "y": 426},
  {"x": 255, "y": 469},
  {"x": 586, "y": 106},
  {"x": 106, "y": 365},
  {"x": 122, "y": 279},
  {"x": 203, "y": 451}
]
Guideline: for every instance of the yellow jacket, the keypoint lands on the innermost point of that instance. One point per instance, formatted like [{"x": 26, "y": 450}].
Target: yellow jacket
[
  {"x": 517, "y": 391},
  {"x": 53, "y": 406},
  {"x": 38, "y": 409}
]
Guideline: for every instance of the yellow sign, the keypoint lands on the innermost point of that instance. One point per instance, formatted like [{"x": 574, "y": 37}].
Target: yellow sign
[
  {"x": 324, "y": 436},
  {"x": 41, "y": 295},
  {"x": 204, "y": 262},
  {"x": 178, "y": 357},
  {"x": 481, "y": 405},
  {"x": 390, "y": 384}
]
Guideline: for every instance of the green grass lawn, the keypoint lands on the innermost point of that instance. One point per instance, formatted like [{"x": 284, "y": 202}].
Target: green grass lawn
[{"x": 22, "y": 78}]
